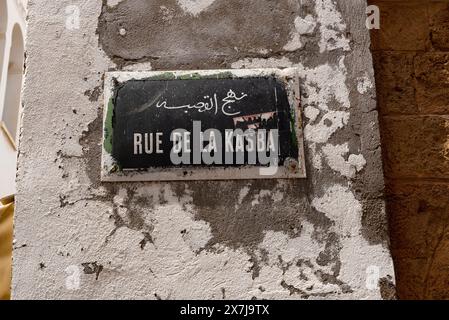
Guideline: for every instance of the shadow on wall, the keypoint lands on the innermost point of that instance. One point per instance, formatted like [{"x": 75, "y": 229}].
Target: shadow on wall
[{"x": 411, "y": 59}]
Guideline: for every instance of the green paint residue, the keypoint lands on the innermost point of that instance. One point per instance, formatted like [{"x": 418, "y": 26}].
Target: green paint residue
[
  {"x": 108, "y": 127},
  {"x": 223, "y": 75},
  {"x": 190, "y": 76},
  {"x": 293, "y": 127}
]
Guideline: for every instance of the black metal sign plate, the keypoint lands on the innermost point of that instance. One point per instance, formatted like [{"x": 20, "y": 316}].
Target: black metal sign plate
[{"x": 202, "y": 125}]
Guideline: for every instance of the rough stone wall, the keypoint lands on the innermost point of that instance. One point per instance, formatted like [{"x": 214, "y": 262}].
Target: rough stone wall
[
  {"x": 320, "y": 237},
  {"x": 411, "y": 52}
]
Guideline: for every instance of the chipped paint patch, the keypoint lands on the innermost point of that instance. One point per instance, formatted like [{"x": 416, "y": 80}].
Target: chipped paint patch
[
  {"x": 243, "y": 193},
  {"x": 271, "y": 62},
  {"x": 322, "y": 131},
  {"x": 194, "y": 7},
  {"x": 341, "y": 206},
  {"x": 278, "y": 196},
  {"x": 294, "y": 43},
  {"x": 143, "y": 66},
  {"x": 311, "y": 113},
  {"x": 113, "y": 3},
  {"x": 305, "y": 25},
  {"x": 364, "y": 84},
  {"x": 258, "y": 197},
  {"x": 250, "y": 240},
  {"x": 298, "y": 270},
  {"x": 335, "y": 156},
  {"x": 302, "y": 26}
]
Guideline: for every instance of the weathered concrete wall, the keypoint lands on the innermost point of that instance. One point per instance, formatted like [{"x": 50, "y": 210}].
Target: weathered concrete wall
[
  {"x": 412, "y": 68},
  {"x": 322, "y": 237}
]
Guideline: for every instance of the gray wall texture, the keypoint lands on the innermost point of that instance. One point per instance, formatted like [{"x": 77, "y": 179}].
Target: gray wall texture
[{"x": 324, "y": 237}]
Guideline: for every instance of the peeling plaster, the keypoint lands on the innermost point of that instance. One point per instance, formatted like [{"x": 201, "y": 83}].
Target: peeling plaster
[
  {"x": 340, "y": 205},
  {"x": 311, "y": 113},
  {"x": 243, "y": 193}
]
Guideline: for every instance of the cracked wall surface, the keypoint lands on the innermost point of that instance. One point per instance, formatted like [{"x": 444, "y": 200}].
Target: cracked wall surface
[{"x": 324, "y": 237}]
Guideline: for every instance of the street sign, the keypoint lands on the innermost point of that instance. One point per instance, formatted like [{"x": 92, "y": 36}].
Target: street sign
[{"x": 197, "y": 125}]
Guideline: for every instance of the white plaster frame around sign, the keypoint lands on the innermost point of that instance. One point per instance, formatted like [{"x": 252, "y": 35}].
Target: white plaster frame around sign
[{"x": 289, "y": 76}]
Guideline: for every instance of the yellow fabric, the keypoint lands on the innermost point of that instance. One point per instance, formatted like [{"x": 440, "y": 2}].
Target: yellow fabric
[{"x": 6, "y": 238}]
